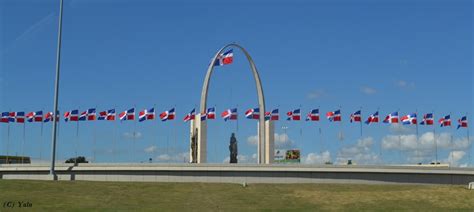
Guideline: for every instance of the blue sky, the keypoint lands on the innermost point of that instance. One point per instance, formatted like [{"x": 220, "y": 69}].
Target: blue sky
[{"x": 393, "y": 55}]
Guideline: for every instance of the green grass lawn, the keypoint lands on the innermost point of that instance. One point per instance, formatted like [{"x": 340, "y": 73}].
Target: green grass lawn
[{"x": 126, "y": 196}]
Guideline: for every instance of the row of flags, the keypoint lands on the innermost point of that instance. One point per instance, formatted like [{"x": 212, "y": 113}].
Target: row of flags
[{"x": 229, "y": 114}]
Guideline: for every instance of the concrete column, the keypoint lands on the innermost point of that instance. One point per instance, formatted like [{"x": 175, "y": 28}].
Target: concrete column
[
  {"x": 202, "y": 140},
  {"x": 269, "y": 141},
  {"x": 192, "y": 129}
]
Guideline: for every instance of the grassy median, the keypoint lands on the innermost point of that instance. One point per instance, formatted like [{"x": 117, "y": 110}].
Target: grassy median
[{"x": 125, "y": 196}]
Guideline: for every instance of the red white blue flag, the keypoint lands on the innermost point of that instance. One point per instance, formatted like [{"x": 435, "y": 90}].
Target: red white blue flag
[
  {"x": 273, "y": 116},
  {"x": 356, "y": 116},
  {"x": 127, "y": 115},
  {"x": 108, "y": 115},
  {"x": 211, "y": 113},
  {"x": 18, "y": 117},
  {"x": 428, "y": 119},
  {"x": 334, "y": 115},
  {"x": 253, "y": 113},
  {"x": 190, "y": 116},
  {"x": 146, "y": 114},
  {"x": 462, "y": 122},
  {"x": 229, "y": 114},
  {"x": 168, "y": 115},
  {"x": 409, "y": 119},
  {"x": 313, "y": 115},
  {"x": 373, "y": 118},
  {"x": 391, "y": 118},
  {"x": 445, "y": 121},
  {"x": 225, "y": 59},
  {"x": 294, "y": 115}
]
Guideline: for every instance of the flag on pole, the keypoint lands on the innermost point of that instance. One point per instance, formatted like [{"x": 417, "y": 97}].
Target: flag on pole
[
  {"x": 67, "y": 116},
  {"x": 334, "y": 116},
  {"x": 203, "y": 116},
  {"x": 146, "y": 114},
  {"x": 445, "y": 121},
  {"x": 253, "y": 113},
  {"x": 373, "y": 118},
  {"x": 83, "y": 116},
  {"x": 108, "y": 115},
  {"x": 91, "y": 115},
  {"x": 190, "y": 116},
  {"x": 127, "y": 115},
  {"x": 5, "y": 117},
  {"x": 167, "y": 115},
  {"x": 356, "y": 116},
  {"x": 391, "y": 118},
  {"x": 30, "y": 116},
  {"x": 49, "y": 117},
  {"x": 274, "y": 115},
  {"x": 225, "y": 59},
  {"x": 313, "y": 115},
  {"x": 409, "y": 119},
  {"x": 229, "y": 114},
  {"x": 211, "y": 113},
  {"x": 427, "y": 119},
  {"x": 294, "y": 115},
  {"x": 38, "y": 116},
  {"x": 462, "y": 122},
  {"x": 18, "y": 117}
]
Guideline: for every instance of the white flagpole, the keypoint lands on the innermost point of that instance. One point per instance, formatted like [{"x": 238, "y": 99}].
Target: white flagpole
[
  {"x": 23, "y": 143},
  {"x": 41, "y": 137},
  {"x": 468, "y": 142},
  {"x": 114, "y": 135},
  {"x": 435, "y": 141},
  {"x": 77, "y": 140},
  {"x": 8, "y": 141},
  {"x": 417, "y": 141},
  {"x": 451, "y": 141}
]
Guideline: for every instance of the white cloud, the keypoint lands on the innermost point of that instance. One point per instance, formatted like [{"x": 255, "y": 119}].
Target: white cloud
[
  {"x": 316, "y": 94},
  {"x": 150, "y": 149},
  {"x": 315, "y": 158},
  {"x": 132, "y": 135},
  {"x": 182, "y": 157},
  {"x": 405, "y": 84},
  {"x": 282, "y": 141},
  {"x": 360, "y": 153},
  {"x": 399, "y": 128},
  {"x": 454, "y": 157},
  {"x": 425, "y": 141},
  {"x": 243, "y": 159},
  {"x": 368, "y": 90}
]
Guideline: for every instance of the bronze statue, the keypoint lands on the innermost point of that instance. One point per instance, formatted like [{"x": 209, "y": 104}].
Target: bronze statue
[
  {"x": 194, "y": 147},
  {"x": 233, "y": 149}
]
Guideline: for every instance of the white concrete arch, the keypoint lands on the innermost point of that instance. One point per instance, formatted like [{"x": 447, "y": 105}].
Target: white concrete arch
[{"x": 201, "y": 127}]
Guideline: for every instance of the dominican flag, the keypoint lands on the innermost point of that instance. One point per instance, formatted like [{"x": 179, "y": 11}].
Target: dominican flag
[
  {"x": 90, "y": 114},
  {"x": 273, "y": 116},
  {"x": 30, "y": 116},
  {"x": 203, "y": 117},
  {"x": 83, "y": 116},
  {"x": 225, "y": 59},
  {"x": 356, "y": 116},
  {"x": 67, "y": 116},
  {"x": 445, "y": 121},
  {"x": 127, "y": 115},
  {"x": 427, "y": 119},
  {"x": 229, "y": 114},
  {"x": 72, "y": 115},
  {"x": 211, "y": 113},
  {"x": 108, "y": 115},
  {"x": 167, "y": 115},
  {"x": 334, "y": 115},
  {"x": 5, "y": 117},
  {"x": 462, "y": 122},
  {"x": 391, "y": 118},
  {"x": 409, "y": 119},
  {"x": 253, "y": 113},
  {"x": 190, "y": 116},
  {"x": 373, "y": 118},
  {"x": 35, "y": 116},
  {"x": 49, "y": 117},
  {"x": 18, "y": 117},
  {"x": 294, "y": 115},
  {"x": 313, "y": 115},
  {"x": 146, "y": 114}
]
